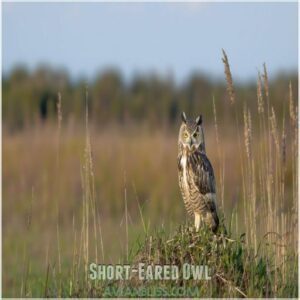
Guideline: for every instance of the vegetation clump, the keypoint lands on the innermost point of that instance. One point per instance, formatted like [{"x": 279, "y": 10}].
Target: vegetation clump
[{"x": 234, "y": 269}]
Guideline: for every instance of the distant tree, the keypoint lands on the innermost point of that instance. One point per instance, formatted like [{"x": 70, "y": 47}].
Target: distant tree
[{"x": 151, "y": 99}]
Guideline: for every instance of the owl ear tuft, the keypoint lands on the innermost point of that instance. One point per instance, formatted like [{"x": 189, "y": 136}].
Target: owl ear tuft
[
  {"x": 183, "y": 117},
  {"x": 199, "y": 120}
]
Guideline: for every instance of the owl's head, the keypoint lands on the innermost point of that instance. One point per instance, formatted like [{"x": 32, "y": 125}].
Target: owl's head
[{"x": 191, "y": 135}]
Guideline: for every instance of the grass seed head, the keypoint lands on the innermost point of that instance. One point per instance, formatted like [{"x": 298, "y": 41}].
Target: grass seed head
[{"x": 228, "y": 75}]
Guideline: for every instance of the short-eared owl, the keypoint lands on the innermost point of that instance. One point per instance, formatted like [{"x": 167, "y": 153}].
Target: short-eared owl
[{"x": 196, "y": 175}]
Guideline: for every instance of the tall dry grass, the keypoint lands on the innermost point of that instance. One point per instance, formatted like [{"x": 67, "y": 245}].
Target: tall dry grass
[
  {"x": 269, "y": 197},
  {"x": 76, "y": 193}
]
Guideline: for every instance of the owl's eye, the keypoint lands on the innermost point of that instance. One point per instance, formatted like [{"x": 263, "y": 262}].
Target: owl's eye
[
  {"x": 195, "y": 134},
  {"x": 185, "y": 135}
]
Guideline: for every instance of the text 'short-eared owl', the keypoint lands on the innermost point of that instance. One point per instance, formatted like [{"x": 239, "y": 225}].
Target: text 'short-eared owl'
[{"x": 196, "y": 175}]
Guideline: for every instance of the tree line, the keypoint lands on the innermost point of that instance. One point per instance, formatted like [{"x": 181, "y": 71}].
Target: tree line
[{"x": 28, "y": 97}]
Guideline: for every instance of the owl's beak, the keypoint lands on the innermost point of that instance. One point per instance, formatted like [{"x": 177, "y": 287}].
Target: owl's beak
[{"x": 190, "y": 145}]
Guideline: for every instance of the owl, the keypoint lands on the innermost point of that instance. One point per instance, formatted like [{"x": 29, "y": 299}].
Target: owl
[{"x": 196, "y": 175}]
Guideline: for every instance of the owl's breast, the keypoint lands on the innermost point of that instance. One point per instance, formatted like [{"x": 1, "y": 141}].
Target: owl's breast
[
  {"x": 183, "y": 163},
  {"x": 186, "y": 176},
  {"x": 186, "y": 184}
]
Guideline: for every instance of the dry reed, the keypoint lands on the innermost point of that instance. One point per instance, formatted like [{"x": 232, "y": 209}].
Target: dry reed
[
  {"x": 228, "y": 75},
  {"x": 270, "y": 212}
]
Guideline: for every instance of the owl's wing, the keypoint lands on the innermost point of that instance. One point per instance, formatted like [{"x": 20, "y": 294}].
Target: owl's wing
[
  {"x": 204, "y": 179},
  {"x": 203, "y": 173}
]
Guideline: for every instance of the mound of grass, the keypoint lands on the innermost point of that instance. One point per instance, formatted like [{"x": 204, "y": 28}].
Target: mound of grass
[{"x": 234, "y": 269}]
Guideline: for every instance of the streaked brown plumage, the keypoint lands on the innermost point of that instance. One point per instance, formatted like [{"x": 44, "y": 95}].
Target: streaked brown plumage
[{"x": 196, "y": 175}]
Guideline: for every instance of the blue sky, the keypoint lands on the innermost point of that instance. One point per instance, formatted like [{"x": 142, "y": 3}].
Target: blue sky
[{"x": 163, "y": 38}]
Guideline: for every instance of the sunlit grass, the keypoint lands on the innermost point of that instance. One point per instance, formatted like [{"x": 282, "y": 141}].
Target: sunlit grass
[{"x": 77, "y": 193}]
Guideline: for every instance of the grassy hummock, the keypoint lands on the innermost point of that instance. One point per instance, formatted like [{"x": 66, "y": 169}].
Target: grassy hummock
[{"x": 235, "y": 270}]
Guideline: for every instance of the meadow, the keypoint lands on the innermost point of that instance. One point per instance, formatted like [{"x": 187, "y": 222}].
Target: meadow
[{"x": 75, "y": 192}]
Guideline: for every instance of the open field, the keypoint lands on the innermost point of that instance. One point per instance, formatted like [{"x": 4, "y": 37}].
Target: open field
[{"x": 74, "y": 194}]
